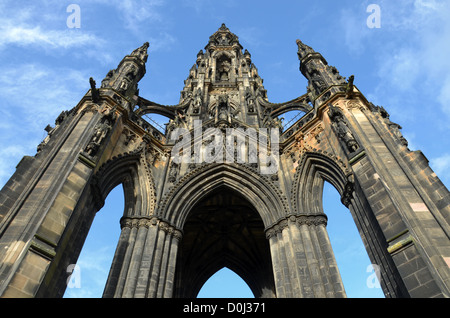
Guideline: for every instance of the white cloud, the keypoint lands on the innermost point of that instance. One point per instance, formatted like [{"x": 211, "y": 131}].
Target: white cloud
[
  {"x": 354, "y": 28},
  {"x": 137, "y": 13},
  {"x": 441, "y": 164},
  {"x": 31, "y": 97},
  {"x": 413, "y": 51},
  {"x": 37, "y": 25},
  {"x": 23, "y": 35},
  {"x": 39, "y": 92},
  {"x": 93, "y": 266}
]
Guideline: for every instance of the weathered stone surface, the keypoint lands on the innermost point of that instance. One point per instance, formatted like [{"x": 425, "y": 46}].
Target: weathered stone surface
[{"x": 184, "y": 220}]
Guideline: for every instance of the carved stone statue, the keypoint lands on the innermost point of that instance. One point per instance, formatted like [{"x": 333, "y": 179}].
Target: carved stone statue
[
  {"x": 198, "y": 102},
  {"x": 222, "y": 111},
  {"x": 342, "y": 129}
]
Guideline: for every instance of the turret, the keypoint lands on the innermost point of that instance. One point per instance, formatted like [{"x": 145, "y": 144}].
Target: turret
[
  {"x": 125, "y": 77},
  {"x": 223, "y": 85},
  {"x": 315, "y": 68}
]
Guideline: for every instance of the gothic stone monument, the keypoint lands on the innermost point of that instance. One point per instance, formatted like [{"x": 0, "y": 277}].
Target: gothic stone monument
[{"x": 223, "y": 204}]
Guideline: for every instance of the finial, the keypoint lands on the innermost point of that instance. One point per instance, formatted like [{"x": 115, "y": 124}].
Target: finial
[
  {"x": 142, "y": 52},
  {"x": 303, "y": 49},
  {"x": 95, "y": 96}
]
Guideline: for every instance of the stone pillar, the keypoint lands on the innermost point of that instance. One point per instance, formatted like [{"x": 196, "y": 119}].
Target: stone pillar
[
  {"x": 303, "y": 261},
  {"x": 144, "y": 263}
]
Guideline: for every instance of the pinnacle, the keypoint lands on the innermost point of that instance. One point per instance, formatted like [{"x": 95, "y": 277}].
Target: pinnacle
[{"x": 223, "y": 27}]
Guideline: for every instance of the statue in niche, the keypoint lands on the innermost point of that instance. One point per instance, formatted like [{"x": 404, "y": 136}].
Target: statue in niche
[
  {"x": 342, "y": 129},
  {"x": 173, "y": 172},
  {"x": 197, "y": 102},
  {"x": 100, "y": 132},
  {"x": 222, "y": 111},
  {"x": 223, "y": 68},
  {"x": 318, "y": 82},
  {"x": 250, "y": 100}
]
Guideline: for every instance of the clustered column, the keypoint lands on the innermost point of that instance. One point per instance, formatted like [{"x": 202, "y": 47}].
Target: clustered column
[
  {"x": 303, "y": 260},
  {"x": 144, "y": 262}
]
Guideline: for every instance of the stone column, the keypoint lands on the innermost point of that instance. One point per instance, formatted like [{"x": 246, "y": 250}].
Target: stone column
[
  {"x": 144, "y": 263},
  {"x": 303, "y": 261}
]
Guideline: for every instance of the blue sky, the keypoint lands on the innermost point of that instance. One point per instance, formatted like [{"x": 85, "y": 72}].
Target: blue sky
[{"x": 45, "y": 68}]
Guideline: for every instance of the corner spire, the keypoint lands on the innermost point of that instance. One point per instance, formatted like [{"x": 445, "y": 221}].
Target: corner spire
[
  {"x": 315, "y": 68},
  {"x": 141, "y": 52},
  {"x": 129, "y": 72}
]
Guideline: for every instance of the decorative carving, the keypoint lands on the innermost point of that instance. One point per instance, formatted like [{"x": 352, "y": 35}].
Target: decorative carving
[
  {"x": 173, "y": 172},
  {"x": 303, "y": 49},
  {"x": 107, "y": 79},
  {"x": 101, "y": 130},
  {"x": 250, "y": 100},
  {"x": 349, "y": 89},
  {"x": 129, "y": 136},
  {"x": 347, "y": 195},
  {"x": 95, "y": 95},
  {"x": 299, "y": 220},
  {"x": 198, "y": 102},
  {"x": 51, "y": 130},
  {"x": 141, "y": 52},
  {"x": 342, "y": 129},
  {"x": 393, "y": 127},
  {"x": 148, "y": 222}
]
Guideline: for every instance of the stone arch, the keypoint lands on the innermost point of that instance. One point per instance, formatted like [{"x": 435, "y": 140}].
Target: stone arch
[
  {"x": 223, "y": 229},
  {"x": 132, "y": 171},
  {"x": 313, "y": 169},
  {"x": 259, "y": 191}
]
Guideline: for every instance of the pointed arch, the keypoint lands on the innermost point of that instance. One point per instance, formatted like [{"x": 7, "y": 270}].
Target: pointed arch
[
  {"x": 132, "y": 171},
  {"x": 257, "y": 189},
  {"x": 309, "y": 177},
  {"x": 223, "y": 229}
]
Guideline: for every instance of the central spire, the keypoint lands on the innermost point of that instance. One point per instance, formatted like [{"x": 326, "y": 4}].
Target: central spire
[
  {"x": 222, "y": 38},
  {"x": 223, "y": 85}
]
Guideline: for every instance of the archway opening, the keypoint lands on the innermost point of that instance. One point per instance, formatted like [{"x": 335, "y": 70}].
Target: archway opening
[
  {"x": 357, "y": 272},
  {"x": 223, "y": 229},
  {"x": 290, "y": 118},
  {"x": 158, "y": 121},
  {"x": 89, "y": 276},
  {"x": 225, "y": 284}
]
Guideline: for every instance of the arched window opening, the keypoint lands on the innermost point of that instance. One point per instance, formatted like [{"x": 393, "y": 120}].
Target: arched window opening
[
  {"x": 89, "y": 277},
  {"x": 225, "y": 284},
  {"x": 157, "y": 121},
  {"x": 357, "y": 273},
  {"x": 290, "y": 118}
]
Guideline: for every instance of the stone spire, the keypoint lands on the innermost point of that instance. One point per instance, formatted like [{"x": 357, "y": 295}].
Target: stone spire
[
  {"x": 223, "y": 85},
  {"x": 315, "y": 68},
  {"x": 124, "y": 79}
]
